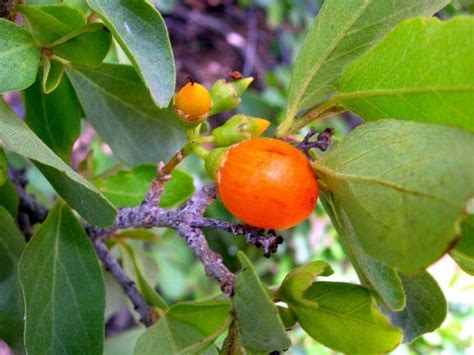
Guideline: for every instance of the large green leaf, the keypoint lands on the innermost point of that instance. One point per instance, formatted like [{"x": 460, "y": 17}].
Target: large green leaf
[
  {"x": 260, "y": 327},
  {"x": 12, "y": 243},
  {"x": 63, "y": 288},
  {"x": 463, "y": 254},
  {"x": 402, "y": 194},
  {"x": 343, "y": 31},
  {"x": 128, "y": 188},
  {"x": 422, "y": 71},
  {"x": 178, "y": 332},
  {"x": 119, "y": 107},
  {"x": 426, "y": 306},
  {"x": 78, "y": 192},
  {"x": 373, "y": 274},
  {"x": 49, "y": 23},
  {"x": 3, "y": 167},
  {"x": 141, "y": 31},
  {"x": 345, "y": 319},
  {"x": 54, "y": 117},
  {"x": 19, "y": 57}
]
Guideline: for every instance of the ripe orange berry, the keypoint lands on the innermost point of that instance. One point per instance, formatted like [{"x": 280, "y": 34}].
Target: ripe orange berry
[
  {"x": 193, "y": 102},
  {"x": 267, "y": 183}
]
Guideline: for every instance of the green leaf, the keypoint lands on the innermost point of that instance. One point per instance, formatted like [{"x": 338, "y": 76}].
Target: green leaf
[
  {"x": 178, "y": 189},
  {"x": 171, "y": 336},
  {"x": 421, "y": 71},
  {"x": 426, "y": 306},
  {"x": 19, "y": 57},
  {"x": 402, "y": 194},
  {"x": 88, "y": 48},
  {"x": 12, "y": 243},
  {"x": 300, "y": 279},
  {"x": 78, "y": 192},
  {"x": 9, "y": 198},
  {"x": 54, "y": 117},
  {"x": 49, "y": 23},
  {"x": 135, "y": 264},
  {"x": 142, "y": 33},
  {"x": 3, "y": 167},
  {"x": 53, "y": 73},
  {"x": 463, "y": 254},
  {"x": 260, "y": 327},
  {"x": 345, "y": 319},
  {"x": 383, "y": 280},
  {"x": 206, "y": 316},
  {"x": 343, "y": 31},
  {"x": 123, "y": 343},
  {"x": 119, "y": 107},
  {"x": 128, "y": 188},
  {"x": 63, "y": 288}
]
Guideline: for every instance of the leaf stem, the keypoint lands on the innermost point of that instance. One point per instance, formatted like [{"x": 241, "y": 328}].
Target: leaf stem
[
  {"x": 323, "y": 110},
  {"x": 194, "y": 142}
]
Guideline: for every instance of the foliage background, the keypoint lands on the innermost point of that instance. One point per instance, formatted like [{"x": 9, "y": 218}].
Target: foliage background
[{"x": 210, "y": 39}]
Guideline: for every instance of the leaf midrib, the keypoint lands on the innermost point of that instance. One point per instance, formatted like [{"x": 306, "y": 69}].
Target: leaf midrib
[
  {"x": 341, "y": 176},
  {"x": 401, "y": 91},
  {"x": 303, "y": 88}
]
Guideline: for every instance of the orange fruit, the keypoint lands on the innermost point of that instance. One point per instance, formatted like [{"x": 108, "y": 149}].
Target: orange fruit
[
  {"x": 192, "y": 102},
  {"x": 267, "y": 183}
]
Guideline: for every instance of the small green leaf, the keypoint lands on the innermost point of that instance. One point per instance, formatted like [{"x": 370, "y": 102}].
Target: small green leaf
[
  {"x": 178, "y": 189},
  {"x": 260, "y": 327},
  {"x": 402, "y": 194},
  {"x": 9, "y": 198},
  {"x": 49, "y": 23},
  {"x": 78, "y": 192},
  {"x": 426, "y": 306},
  {"x": 53, "y": 73},
  {"x": 54, "y": 117},
  {"x": 171, "y": 336},
  {"x": 88, "y": 48},
  {"x": 19, "y": 57},
  {"x": 12, "y": 243},
  {"x": 142, "y": 33},
  {"x": 300, "y": 279},
  {"x": 128, "y": 188},
  {"x": 421, "y": 71},
  {"x": 463, "y": 254},
  {"x": 3, "y": 167},
  {"x": 342, "y": 32},
  {"x": 138, "y": 264},
  {"x": 63, "y": 288},
  {"x": 206, "y": 316},
  {"x": 119, "y": 107},
  {"x": 123, "y": 343},
  {"x": 345, "y": 319},
  {"x": 384, "y": 281}
]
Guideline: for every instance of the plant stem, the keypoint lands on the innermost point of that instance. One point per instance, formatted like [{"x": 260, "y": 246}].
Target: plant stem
[{"x": 323, "y": 110}]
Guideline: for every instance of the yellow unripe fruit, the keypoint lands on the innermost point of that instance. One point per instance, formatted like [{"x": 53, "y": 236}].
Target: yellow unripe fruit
[
  {"x": 262, "y": 126},
  {"x": 193, "y": 102}
]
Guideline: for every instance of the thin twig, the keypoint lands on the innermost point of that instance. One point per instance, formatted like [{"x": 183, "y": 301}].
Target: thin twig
[
  {"x": 322, "y": 142},
  {"x": 163, "y": 174},
  {"x": 148, "y": 316}
]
